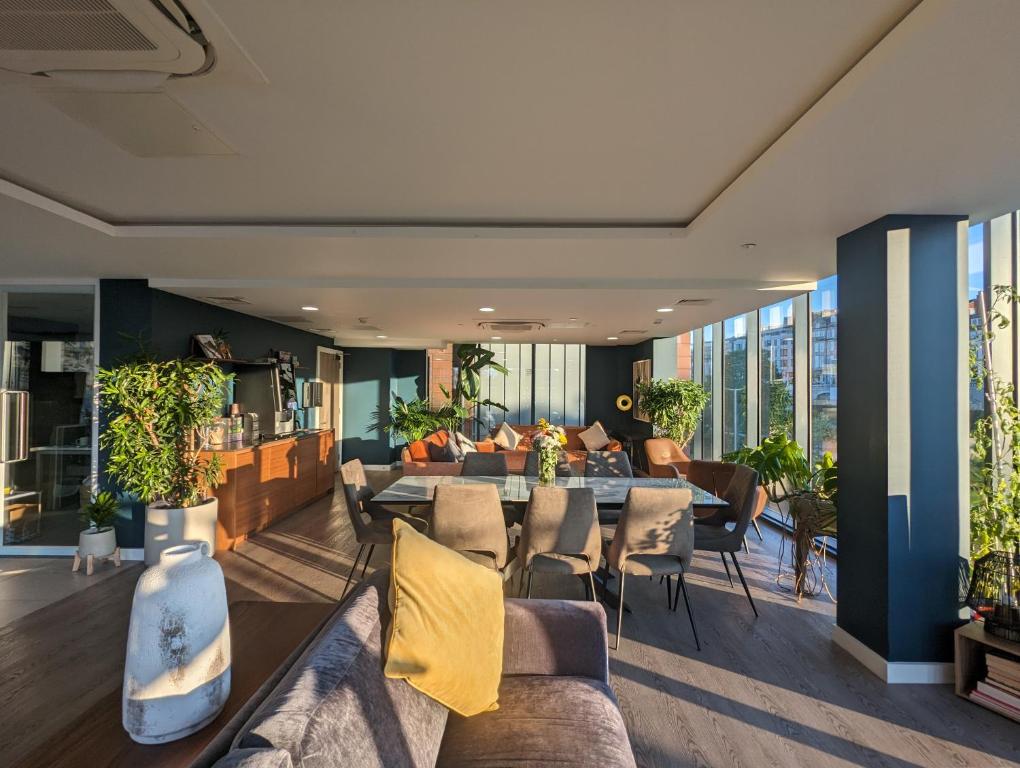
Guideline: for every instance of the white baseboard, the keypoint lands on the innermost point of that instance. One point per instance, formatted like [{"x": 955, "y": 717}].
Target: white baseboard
[
  {"x": 132, "y": 553},
  {"x": 893, "y": 672}
]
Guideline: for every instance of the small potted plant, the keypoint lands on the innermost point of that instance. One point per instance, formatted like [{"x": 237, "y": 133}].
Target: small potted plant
[{"x": 98, "y": 539}]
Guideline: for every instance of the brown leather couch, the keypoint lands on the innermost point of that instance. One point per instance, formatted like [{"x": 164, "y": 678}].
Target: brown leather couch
[
  {"x": 417, "y": 460},
  {"x": 576, "y": 452}
]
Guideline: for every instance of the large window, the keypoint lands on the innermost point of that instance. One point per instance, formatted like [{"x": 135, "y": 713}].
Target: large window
[
  {"x": 975, "y": 285},
  {"x": 777, "y": 356},
  {"x": 734, "y": 391},
  {"x": 823, "y": 368},
  {"x": 706, "y": 381},
  {"x": 543, "y": 381}
]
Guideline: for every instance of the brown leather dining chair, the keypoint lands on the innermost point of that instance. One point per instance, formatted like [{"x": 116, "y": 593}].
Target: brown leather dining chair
[
  {"x": 560, "y": 534},
  {"x": 663, "y": 456},
  {"x": 654, "y": 537},
  {"x": 469, "y": 520}
]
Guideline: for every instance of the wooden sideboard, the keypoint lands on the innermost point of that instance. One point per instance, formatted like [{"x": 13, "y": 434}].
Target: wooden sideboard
[{"x": 263, "y": 483}]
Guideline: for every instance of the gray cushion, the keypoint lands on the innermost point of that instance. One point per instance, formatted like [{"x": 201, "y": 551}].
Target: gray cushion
[
  {"x": 255, "y": 758},
  {"x": 542, "y": 721},
  {"x": 336, "y": 707}
]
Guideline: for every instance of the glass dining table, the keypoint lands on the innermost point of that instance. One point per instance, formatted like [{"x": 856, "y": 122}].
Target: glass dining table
[{"x": 610, "y": 492}]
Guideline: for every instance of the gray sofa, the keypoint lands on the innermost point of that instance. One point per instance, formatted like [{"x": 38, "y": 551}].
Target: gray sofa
[{"x": 334, "y": 707}]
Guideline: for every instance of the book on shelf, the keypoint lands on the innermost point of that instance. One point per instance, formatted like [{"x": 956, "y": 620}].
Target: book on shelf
[
  {"x": 1003, "y": 665},
  {"x": 993, "y": 691},
  {"x": 994, "y": 704},
  {"x": 1008, "y": 684}
]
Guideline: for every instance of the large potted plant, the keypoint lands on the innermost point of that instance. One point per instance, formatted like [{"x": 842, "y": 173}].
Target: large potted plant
[
  {"x": 158, "y": 417},
  {"x": 415, "y": 419},
  {"x": 809, "y": 493},
  {"x": 673, "y": 406}
]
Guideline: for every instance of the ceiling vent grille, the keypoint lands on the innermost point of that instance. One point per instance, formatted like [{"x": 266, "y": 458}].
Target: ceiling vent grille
[
  {"x": 512, "y": 326},
  {"x": 67, "y": 25},
  {"x": 633, "y": 333},
  {"x": 692, "y": 302},
  {"x": 235, "y": 300}
]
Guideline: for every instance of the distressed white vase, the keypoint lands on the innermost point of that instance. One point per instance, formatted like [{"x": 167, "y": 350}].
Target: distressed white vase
[{"x": 177, "y": 671}]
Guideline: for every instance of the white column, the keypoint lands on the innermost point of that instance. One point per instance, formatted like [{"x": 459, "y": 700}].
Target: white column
[{"x": 898, "y": 362}]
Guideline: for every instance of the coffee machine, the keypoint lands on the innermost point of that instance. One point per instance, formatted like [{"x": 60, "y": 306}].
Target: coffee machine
[{"x": 257, "y": 391}]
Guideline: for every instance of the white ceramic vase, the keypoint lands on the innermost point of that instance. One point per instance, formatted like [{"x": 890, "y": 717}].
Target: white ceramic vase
[
  {"x": 167, "y": 526},
  {"x": 177, "y": 671},
  {"x": 96, "y": 543}
]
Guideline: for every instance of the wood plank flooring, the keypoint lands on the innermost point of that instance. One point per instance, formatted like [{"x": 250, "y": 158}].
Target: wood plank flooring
[{"x": 768, "y": 692}]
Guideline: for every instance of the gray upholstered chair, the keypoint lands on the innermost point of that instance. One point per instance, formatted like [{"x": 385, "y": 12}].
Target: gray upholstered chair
[
  {"x": 469, "y": 519},
  {"x": 478, "y": 464},
  {"x": 560, "y": 534},
  {"x": 654, "y": 537},
  {"x": 376, "y": 530},
  {"x": 354, "y": 475},
  {"x": 563, "y": 468},
  {"x": 607, "y": 464},
  {"x": 741, "y": 495}
]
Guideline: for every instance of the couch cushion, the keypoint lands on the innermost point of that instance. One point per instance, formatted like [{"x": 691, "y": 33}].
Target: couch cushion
[
  {"x": 443, "y": 452},
  {"x": 594, "y": 438},
  {"x": 255, "y": 758},
  {"x": 335, "y": 706},
  {"x": 506, "y": 437},
  {"x": 418, "y": 450},
  {"x": 541, "y": 721}
]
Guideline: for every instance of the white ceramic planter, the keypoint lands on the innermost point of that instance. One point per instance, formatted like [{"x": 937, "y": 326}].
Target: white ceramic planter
[
  {"x": 167, "y": 526},
  {"x": 177, "y": 670},
  {"x": 96, "y": 543}
]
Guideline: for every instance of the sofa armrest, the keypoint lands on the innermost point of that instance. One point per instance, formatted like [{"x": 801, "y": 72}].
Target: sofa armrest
[
  {"x": 614, "y": 445},
  {"x": 555, "y": 637}
]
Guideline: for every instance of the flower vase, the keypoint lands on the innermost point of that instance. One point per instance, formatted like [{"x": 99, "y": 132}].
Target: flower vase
[
  {"x": 547, "y": 458},
  {"x": 177, "y": 671}
]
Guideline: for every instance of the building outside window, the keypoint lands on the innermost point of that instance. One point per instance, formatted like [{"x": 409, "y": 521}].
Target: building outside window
[
  {"x": 975, "y": 285},
  {"x": 824, "y": 307},
  {"x": 734, "y": 392},
  {"x": 777, "y": 364},
  {"x": 706, "y": 381}
]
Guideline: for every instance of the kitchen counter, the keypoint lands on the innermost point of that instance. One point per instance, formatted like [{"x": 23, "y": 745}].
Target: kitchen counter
[
  {"x": 245, "y": 445},
  {"x": 264, "y": 481}
]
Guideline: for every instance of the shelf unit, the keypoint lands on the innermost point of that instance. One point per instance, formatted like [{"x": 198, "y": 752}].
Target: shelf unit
[{"x": 972, "y": 642}]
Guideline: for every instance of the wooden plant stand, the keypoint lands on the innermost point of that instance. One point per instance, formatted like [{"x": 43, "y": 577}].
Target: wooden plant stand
[
  {"x": 90, "y": 561},
  {"x": 972, "y": 642}
]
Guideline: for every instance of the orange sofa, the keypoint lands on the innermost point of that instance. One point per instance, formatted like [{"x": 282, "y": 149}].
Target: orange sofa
[
  {"x": 417, "y": 461},
  {"x": 576, "y": 452}
]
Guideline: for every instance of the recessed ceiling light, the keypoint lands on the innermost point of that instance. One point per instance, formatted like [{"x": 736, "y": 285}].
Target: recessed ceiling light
[
  {"x": 381, "y": 337},
  {"x": 497, "y": 338},
  {"x": 572, "y": 319},
  {"x": 310, "y": 308},
  {"x": 486, "y": 309},
  {"x": 748, "y": 246},
  {"x": 612, "y": 338},
  {"x": 664, "y": 309}
]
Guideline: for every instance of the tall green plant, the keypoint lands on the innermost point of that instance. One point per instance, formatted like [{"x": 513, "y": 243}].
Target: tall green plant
[
  {"x": 995, "y": 437},
  {"x": 674, "y": 407},
  {"x": 158, "y": 415},
  {"x": 414, "y": 419},
  {"x": 471, "y": 361},
  {"x": 784, "y": 471}
]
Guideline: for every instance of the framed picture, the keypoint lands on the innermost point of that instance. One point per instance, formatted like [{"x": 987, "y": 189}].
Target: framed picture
[
  {"x": 642, "y": 372},
  {"x": 208, "y": 345}
]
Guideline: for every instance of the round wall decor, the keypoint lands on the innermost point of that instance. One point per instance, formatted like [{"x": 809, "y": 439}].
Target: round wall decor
[{"x": 624, "y": 403}]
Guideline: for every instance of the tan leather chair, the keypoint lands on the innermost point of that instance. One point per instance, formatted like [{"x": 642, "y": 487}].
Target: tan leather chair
[
  {"x": 560, "y": 534},
  {"x": 469, "y": 519},
  {"x": 662, "y": 453},
  {"x": 654, "y": 537}
]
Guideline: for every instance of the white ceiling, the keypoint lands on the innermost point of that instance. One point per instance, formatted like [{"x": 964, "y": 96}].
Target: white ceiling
[{"x": 785, "y": 123}]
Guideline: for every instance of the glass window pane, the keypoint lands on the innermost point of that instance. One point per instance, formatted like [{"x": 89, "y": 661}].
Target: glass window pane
[
  {"x": 706, "y": 381},
  {"x": 777, "y": 362},
  {"x": 734, "y": 383},
  {"x": 975, "y": 285},
  {"x": 824, "y": 307}
]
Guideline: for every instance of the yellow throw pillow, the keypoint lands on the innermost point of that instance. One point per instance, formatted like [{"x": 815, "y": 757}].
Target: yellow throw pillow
[{"x": 446, "y": 634}]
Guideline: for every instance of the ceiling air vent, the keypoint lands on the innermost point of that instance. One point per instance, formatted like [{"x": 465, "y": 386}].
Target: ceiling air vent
[
  {"x": 692, "y": 302},
  {"x": 633, "y": 333},
  {"x": 231, "y": 300},
  {"x": 512, "y": 326},
  {"x": 88, "y": 36}
]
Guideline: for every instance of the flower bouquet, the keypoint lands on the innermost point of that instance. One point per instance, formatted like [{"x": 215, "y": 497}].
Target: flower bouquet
[{"x": 547, "y": 441}]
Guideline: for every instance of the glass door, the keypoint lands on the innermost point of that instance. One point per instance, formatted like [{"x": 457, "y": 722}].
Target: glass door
[{"x": 47, "y": 410}]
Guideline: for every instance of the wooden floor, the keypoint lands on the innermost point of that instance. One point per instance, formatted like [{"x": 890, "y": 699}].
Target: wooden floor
[{"x": 767, "y": 692}]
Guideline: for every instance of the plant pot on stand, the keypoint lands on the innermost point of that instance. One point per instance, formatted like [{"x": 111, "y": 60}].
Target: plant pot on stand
[
  {"x": 167, "y": 526},
  {"x": 96, "y": 544}
]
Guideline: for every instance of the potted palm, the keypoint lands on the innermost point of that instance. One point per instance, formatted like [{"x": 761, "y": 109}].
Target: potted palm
[
  {"x": 158, "y": 416},
  {"x": 809, "y": 493},
  {"x": 98, "y": 539},
  {"x": 673, "y": 406}
]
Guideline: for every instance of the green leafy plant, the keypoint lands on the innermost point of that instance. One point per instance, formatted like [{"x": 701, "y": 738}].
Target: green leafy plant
[
  {"x": 414, "y": 419},
  {"x": 472, "y": 360},
  {"x": 101, "y": 511},
  {"x": 158, "y": 416},
  {"x": 674, "y": 407},
  {"x": 995, "y": 436}
]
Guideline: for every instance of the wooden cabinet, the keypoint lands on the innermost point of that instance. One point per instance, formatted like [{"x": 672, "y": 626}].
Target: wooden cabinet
[{"x": 264, "y": 483}]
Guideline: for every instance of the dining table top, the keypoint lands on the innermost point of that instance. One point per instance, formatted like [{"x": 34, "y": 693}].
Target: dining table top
[{"x": 610, "y": 492}]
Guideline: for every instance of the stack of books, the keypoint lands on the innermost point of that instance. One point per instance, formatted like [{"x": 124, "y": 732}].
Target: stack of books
[{"x": 1000, "y": 690}]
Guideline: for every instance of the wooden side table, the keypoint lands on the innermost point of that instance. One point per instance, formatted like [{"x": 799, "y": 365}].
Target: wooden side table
[
  {"x": 972, "y": 642},
  {"x": 263, "y": 636}
]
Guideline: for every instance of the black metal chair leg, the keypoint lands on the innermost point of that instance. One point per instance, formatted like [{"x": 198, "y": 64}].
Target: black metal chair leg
[
  {"x": 669, "y": 591},
  {"x": 727, "y": 566},
  {"x": 351, "y": 574},
  {"x": 742, "y": 581},
  {"x": 757, "y": 529},
  {"x": 371, "y": 549},
  {"x": 690, "y": 611},
  {"x": 531, "y": 575},
  {"x": 591, "y": 580},
  {"x": 619, "y": 613}
]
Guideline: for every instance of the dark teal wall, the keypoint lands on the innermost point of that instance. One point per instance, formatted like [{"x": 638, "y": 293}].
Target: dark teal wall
[
  {"x": 609, "y": 374},
  {"x": 899, "y": 560},
  {"x": 371, "y": 377},
  {"x": 130, "y": 309}
]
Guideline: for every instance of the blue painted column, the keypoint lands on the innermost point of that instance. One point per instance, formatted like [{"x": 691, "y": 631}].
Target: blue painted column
[{"x": 903, "y": 443}]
